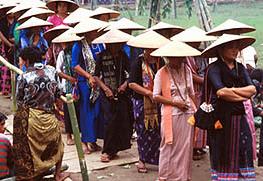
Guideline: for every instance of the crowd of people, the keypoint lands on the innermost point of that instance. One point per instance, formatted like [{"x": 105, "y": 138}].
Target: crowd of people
[{"x": 155, "y": 83}]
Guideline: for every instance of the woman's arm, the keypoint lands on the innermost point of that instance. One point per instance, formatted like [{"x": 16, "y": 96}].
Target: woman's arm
[
  {"x": 5, "y": 40},
  {"x": 229, "y": 95},
  {"x": 105, "y": 88},
  {"x": 85, "y": 74},
  {"x": 67, "y": 77},
  {"x": 140, "y": 90},
  {"x": 247, "y": 91},
  {"x": 180, "y": 104}
]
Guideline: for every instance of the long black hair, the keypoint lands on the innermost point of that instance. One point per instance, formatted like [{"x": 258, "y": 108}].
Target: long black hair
[{"x": 32, "y": 54}]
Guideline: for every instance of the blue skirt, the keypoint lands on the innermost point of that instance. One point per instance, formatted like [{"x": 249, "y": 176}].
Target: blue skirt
[{"x": 89, "y": 114}]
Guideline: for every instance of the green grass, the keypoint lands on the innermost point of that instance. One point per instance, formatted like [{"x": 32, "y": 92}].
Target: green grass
[{"x": 248, "y": 13}]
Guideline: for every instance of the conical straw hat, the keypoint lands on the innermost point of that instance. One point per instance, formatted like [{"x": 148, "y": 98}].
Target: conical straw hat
[
  {"x": 193, "y": 34},
  {"x": 149, "y": 39},
  {"x": 113, "y": 36},
  {"x": 24, "y": 6},
  {"x": 231, "y": 25},
  {"x": 243, "y": 41},
  {"x": 77, "y": 16},
  {"x": 33, "y": 22},
  {"x": 176, "y": 49},
  {"x": 162, "y": 26},
  {"x": 36, "y": 12},
  {"x": 52, "y": 4},
  {"x": 66, "y": 37},
  {"x": 124, "y": 24},
  {"x": 88, "y": 25},
  {"x": 54, "y": 32},
  {"x": 100, "y": 11},
  {"x": 5, "y": 7}
]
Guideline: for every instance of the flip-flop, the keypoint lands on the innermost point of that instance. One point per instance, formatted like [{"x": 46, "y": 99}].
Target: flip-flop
[
  {"x": 105, "y": 158},
  {"x": 141, "y": 169}
]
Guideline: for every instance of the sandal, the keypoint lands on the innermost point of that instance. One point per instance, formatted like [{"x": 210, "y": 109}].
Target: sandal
[
  {"x": 85, "y": 149},
  {"x": 141, "y": 168},
  {"x": 105, "y": 158}
]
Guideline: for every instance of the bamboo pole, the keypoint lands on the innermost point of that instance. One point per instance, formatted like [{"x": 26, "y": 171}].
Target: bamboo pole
[
  {"x": 13, "y": 85},
  {"x": 10, "y": 66},
  {"x": 75, "y": 128}
]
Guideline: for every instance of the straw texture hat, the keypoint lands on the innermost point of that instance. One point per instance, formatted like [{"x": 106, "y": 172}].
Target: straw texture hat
[
  {"x": 24, "y": 6},
  {"x": 33, "y": 22},
  {"x": 175, "y": 49},
  {"x": 125, "y": 24},
  {"x": 5, "y": 7},
  {"x": 77, "y": 16},
  {"x": 162, "y": 27},
  {"x": 52, "y": 4},
  {"x": 243, "y": 42},
  {"x": 113, "y": 36},
  {"x": 36, "y": 12},
  {"x": 66, "y": 37},
  {"x": 88, "y": 25},
  {"x": 193, "y": 34},
  {"x": 54, "y": 32},
  {"x": 100, "y": 11},
  {"x": 149, "y": 39},
  {"x": 232, "y": 27}
]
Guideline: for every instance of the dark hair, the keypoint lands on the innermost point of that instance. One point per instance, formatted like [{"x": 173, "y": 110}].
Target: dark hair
[
  {"x": 2, "y": 117},
  {"x": 32, "y": 54}
]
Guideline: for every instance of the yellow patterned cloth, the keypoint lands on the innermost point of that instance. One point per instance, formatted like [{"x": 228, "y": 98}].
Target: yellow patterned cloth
[{"x": 42, "y": 146}]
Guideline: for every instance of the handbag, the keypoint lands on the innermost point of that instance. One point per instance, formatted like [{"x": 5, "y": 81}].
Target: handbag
[{"x": 206, "y": 117}]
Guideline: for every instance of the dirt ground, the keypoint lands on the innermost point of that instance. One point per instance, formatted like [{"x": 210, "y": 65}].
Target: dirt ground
[{"x": 129, "y": 172}]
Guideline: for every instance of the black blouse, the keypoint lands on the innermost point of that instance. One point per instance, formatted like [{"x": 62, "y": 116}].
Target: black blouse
[{"x": 220, "y": 76}]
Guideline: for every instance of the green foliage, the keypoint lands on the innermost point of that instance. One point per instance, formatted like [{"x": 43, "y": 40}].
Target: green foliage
[
  {"x": 166, "y": 8},
  {"x": 188, "y": 4}
]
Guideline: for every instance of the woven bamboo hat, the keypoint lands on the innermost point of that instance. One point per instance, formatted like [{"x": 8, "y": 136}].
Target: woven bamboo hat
[
  {"x": 33, "y": 22},
  {"x": 89, "y": 25},
  {"x": 52, "y": 5},
  {"x": 77, "y": 16},
  {"x": 242, "y": 42},
  {"x": 36, "y": 12},
  {"x": 23, "y": 6},
  {"x": 176, "y": 49},
  {"x": 5, "y": 7},
  {"x": 66, "y": 37},
  {"x": 163, "y": 27},
  {"x": 105, "y": 11},
  {"x": 193, "y": 34},
  {"x": 149, "y": 39},
  {"x": 232, "y": 27},
  {"x": 113, "y": 36},
  {"x": 125, "y": 24},
  {"x": 55, "y": 32}
]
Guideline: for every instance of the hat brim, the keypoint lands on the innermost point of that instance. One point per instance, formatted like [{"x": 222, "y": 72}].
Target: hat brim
[
  {"x": 52, "y": 5},
  {"x": 212, "y": 51},
  {"x": 231, "y": 31},
  {"x": 109, "y": 15},
  {"x": 49, "y": 36}
]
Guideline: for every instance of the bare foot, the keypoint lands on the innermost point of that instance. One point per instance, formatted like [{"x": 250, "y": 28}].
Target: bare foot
[
  {"x": 86, "y": 149},
  {"x": 62, "y": 176},
  {"x": 70, "y": 141}
]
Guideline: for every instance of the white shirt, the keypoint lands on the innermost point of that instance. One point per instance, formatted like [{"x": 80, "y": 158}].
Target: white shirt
[
  {"x": 60, "y": 67},
  {"x": 248, "y": 54}
]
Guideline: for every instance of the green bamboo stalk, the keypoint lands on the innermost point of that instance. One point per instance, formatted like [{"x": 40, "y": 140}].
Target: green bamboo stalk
[
  {"x": 13, "y": 84},
  {"x": 76, "y": 133}
]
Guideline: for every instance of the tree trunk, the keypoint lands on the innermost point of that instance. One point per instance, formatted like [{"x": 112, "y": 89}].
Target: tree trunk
[
  {"x": 175, "y": 9},
  {"x": 93, "y": 4},
  {"x": 151, "y": 14},
  {"x": 158, "y": 14},
  {"x": 214, "y": 5},
  {"x": 116, "y": 5},
  {"x": 137, "y": 3}
]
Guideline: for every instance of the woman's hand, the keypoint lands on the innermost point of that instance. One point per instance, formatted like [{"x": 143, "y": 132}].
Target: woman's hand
[
  {"x": 183, "y": 106},
  {"x": 72, "y": 80},
  {"x": 122, "y": 87},
  {"x": 150, "y": 95},
  {"x": 108, "y": 93},
  {"x": 92, "y": 81}
]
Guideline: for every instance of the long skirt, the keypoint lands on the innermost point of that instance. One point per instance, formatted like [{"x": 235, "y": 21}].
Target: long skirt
[
  {"x": 231, "y": 152},
  {"x": 37, "y": 143},
  {"x": 5, "y": 80},
  {"x": 89, "y": 114},
  {"x": 148, "y": 141},
  {"x": 260, "y": 157},
  {"x": 67, "y": 122},
  {"x": 176, "y": 158},
  {"x": 118, "y": 124},
  {"x": 199, "y": 138}
]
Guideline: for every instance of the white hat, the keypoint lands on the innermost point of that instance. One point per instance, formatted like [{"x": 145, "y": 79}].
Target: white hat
[
  {"x": 113, "y": 36},
  {"x": 36, "y": 12},
  {"x": 88, "y": 25},
  {"x": 33, "y": 22},
  {"x": 77, "y": 16},
  {"x": 52, "y": 4},
  {"x": 124, "y": 24},
  {"x": 66, "y": 37},
  {"x": 243, "y": 41}
]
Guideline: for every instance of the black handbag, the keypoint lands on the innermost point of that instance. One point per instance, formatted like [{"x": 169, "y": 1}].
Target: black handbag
[{"x": 206, "y": 115}]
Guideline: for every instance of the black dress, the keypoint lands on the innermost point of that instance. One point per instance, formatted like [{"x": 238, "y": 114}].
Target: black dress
[
  {"x": 117, "y": 112},
  {"x": 231, "y": 152}
]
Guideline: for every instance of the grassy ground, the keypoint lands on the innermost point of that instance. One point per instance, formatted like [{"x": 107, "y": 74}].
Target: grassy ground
[{"x": 248, "y": 13}]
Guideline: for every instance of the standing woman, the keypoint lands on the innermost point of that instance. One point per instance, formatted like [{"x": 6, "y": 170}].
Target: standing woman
[
  {"x": 173, "y": 88},
  {"x": 146, "y": 112},
  {"x": 231, "y": 152},
  {"x": 112, "y": 73},
  {"x": 37, "y": 141}
]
